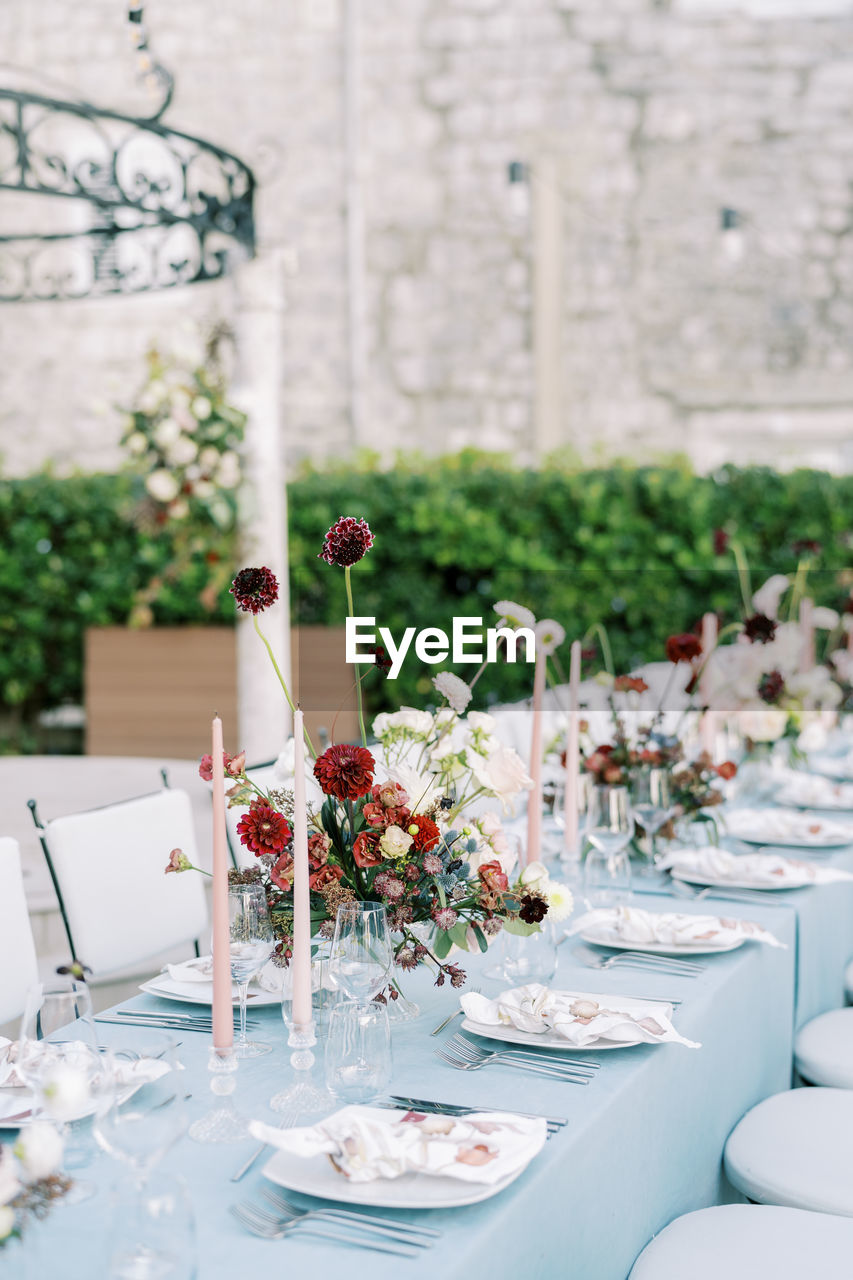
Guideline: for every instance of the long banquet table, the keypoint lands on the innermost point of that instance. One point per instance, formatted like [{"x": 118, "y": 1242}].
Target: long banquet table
[{"x": 643, "y": 1142}]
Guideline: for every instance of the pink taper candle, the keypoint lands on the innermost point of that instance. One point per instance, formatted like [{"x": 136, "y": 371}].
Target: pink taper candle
[
  {"x": 570, "y": 832},
  {"x": 301, "y": 960},
  {"x": 708, "y": 728},
  {"x": 807, "y": 651},
  {"x": 223, "y": 1009},
  {"x": 534, "y": 796}
]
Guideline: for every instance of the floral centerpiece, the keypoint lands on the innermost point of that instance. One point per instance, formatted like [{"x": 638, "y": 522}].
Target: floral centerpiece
[
  {"x": 405, "y": 824},
  {"x": 30, "y": 1181},
  {"x": 183, "y": 438}
]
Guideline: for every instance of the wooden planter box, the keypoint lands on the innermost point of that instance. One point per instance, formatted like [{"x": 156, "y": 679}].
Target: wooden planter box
[{"x": 152, "y": 692}]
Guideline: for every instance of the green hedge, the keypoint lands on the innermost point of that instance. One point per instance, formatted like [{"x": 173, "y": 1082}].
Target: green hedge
[{"x": 632, "y": 548}]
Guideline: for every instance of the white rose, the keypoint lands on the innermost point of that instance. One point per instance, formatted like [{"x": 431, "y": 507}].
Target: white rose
[
  {"x": 502, "y": 772},
  {"x": 182, "y": 452},
  {"x": 209, "y": 457},
  {"x": 535, "y": 875},
  {"x": 162, "y": 485},
  {"x": 201, "y": 408},
  {"x": 39, "y": 1150},
  {"x": 204, "y": 490},
  {"x": 763, "y": 725},
  {"x": 137, "y": 444},
  {"x": 167, "y": 432},
  {"x": 395, "y": 842},
  {"x": 492, "y": 829}
]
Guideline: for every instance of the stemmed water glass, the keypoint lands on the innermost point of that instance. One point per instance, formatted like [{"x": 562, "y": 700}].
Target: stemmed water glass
[
  {"x": 362, "y": 954},
  {"x": 68, "y": 1073},
  {"x": 610, "y": 827},
  {"x": 651, "y": 802},
  {"x": 252, "y": 943}
]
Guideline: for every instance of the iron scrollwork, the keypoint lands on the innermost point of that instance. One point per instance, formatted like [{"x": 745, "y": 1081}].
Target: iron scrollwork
[{"x": 144, "y": 206}]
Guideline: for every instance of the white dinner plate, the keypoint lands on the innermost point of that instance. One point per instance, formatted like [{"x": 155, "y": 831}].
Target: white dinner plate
[
  {"x": 202, "y": 992},
  {"x": 553, "y": 1040},
  {"x": 700, "y": 877},
  {"x": 661, "y": 948},
  {"x": 315, "y": 1176},
  {"x": 835, "y": 835},
  {"x": 15, "y": 1100}
]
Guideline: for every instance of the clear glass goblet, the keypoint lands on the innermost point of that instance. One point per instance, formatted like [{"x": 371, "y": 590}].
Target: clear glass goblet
[
  {"x": 610, "y": 826},
  {"x": 252, "y": 943},
  {"x": 651, "y": 802}
]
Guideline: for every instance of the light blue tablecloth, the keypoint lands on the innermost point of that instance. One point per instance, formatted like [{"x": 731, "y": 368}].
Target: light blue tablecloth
[{"x": 643, "y": 1143}]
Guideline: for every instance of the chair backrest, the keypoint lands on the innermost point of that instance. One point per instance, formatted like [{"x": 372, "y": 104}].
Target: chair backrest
[
  {"x": 108, "y": 868},
  {"x": 263, "y": 776},
  {"x": 17, "y": 949}
]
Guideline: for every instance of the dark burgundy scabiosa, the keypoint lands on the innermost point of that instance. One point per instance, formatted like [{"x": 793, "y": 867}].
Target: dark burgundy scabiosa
[
  {"x": 683, "y": 648},
  {"x": 760, "y": 629},
  {"x": 255, "y": 589},
  {"x": 771, "y": 687},
  {"x": 721, "y": 542},
  {"x": 263, "y": 829},
  {"x": 806, "y": 547},
  {"x": 345, "y": 771},
  {"x": 533, "y": 908},
  {"x": 381, "y": 659},
  {"x": 348, "y": 540}
]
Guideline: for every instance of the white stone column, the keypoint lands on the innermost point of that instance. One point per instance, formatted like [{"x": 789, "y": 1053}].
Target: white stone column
[
  {"x": 547, "y": 302},
  {"x": 265, "y": 719}
]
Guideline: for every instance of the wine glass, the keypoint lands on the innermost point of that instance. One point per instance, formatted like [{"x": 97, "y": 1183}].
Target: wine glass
[
  {"x": 252, "y": 943},
  {"x": 137, "y": 1125},
  {"x": 610, "y": 826},
  {"x": 651, "y": 802},
  {"x": 362, "y": 956},
  {"x": 58, "y": 1057}
]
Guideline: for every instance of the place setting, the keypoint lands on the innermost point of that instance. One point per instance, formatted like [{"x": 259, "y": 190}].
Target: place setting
[
  {"x": 759, "y": 872},
  {"x": 813, "y": 832},
  {"x": 670, "y": 934}
]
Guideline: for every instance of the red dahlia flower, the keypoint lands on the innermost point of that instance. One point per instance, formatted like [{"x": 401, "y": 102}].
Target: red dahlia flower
[
  {"x": 255, "y": 589},
  {"x": 345, "y": 771},
  {"x": 263, "y": 829},
  {"x": 425, "y": 834},
  {"x": 683, "y": 648},
  {"x": 348, "y": 540}
]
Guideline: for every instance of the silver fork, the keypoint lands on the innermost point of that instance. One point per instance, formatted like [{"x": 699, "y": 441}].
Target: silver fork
[
  {"x": 420, "y": 1237},
  {"x": 639, "y": 960},
  {"x": 269, "y": 1228},
  {"x": 454, "y": 1014},
  {"x": 462, "y": 1045},
  {"x": 462, "y": 1063}
]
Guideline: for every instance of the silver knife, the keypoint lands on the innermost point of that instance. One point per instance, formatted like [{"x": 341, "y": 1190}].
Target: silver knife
[{"x": 452, "y": 1108}]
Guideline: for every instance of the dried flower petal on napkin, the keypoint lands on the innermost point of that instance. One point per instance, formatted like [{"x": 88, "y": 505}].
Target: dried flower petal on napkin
[
  {"x": 669, "y": 928},
  {"x": 760, "y": 868},
  {"x": 581, "y": 1019},
  {"x": 366, "y": 1143}
]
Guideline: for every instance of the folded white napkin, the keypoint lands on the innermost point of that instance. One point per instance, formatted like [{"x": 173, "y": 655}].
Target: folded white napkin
[
  {"x": 366, "y": 1143},
  {"x": 198, "y": 970},
  {"x": 670, "y": 928},
  {"x": 805, "y": 829},
  {"x": 811, "y": 791},
  {"x": 581, "y": 1019},
  {"x": 834, "y": 766},
  {"x": 758, "y": 868}
]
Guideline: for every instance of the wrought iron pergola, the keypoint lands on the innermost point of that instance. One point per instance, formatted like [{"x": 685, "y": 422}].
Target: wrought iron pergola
[{"x": 143, "y": 206}]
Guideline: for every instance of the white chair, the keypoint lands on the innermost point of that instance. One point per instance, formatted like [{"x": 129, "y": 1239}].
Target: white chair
[
  {"x": 108, "y": 865},
  {"x": 823, "y": 1050},
  {"x": 749, "y": 1242},
  {"x": 17, "y": 950},
  {"x": 794, "y": 1149}
]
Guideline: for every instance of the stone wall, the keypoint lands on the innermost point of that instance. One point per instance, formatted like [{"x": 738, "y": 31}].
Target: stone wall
[{"x": 597, "y": 309}]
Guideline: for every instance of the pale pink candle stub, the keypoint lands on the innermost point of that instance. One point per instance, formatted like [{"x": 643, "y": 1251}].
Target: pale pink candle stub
[
  {"x": 223, "y": 1010},
  {"x": 534, "y": 796},
  {"x": 708, "y": 728},
  {"x": 301, "y": 959},
  {"x": 570, "y": 831}
]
